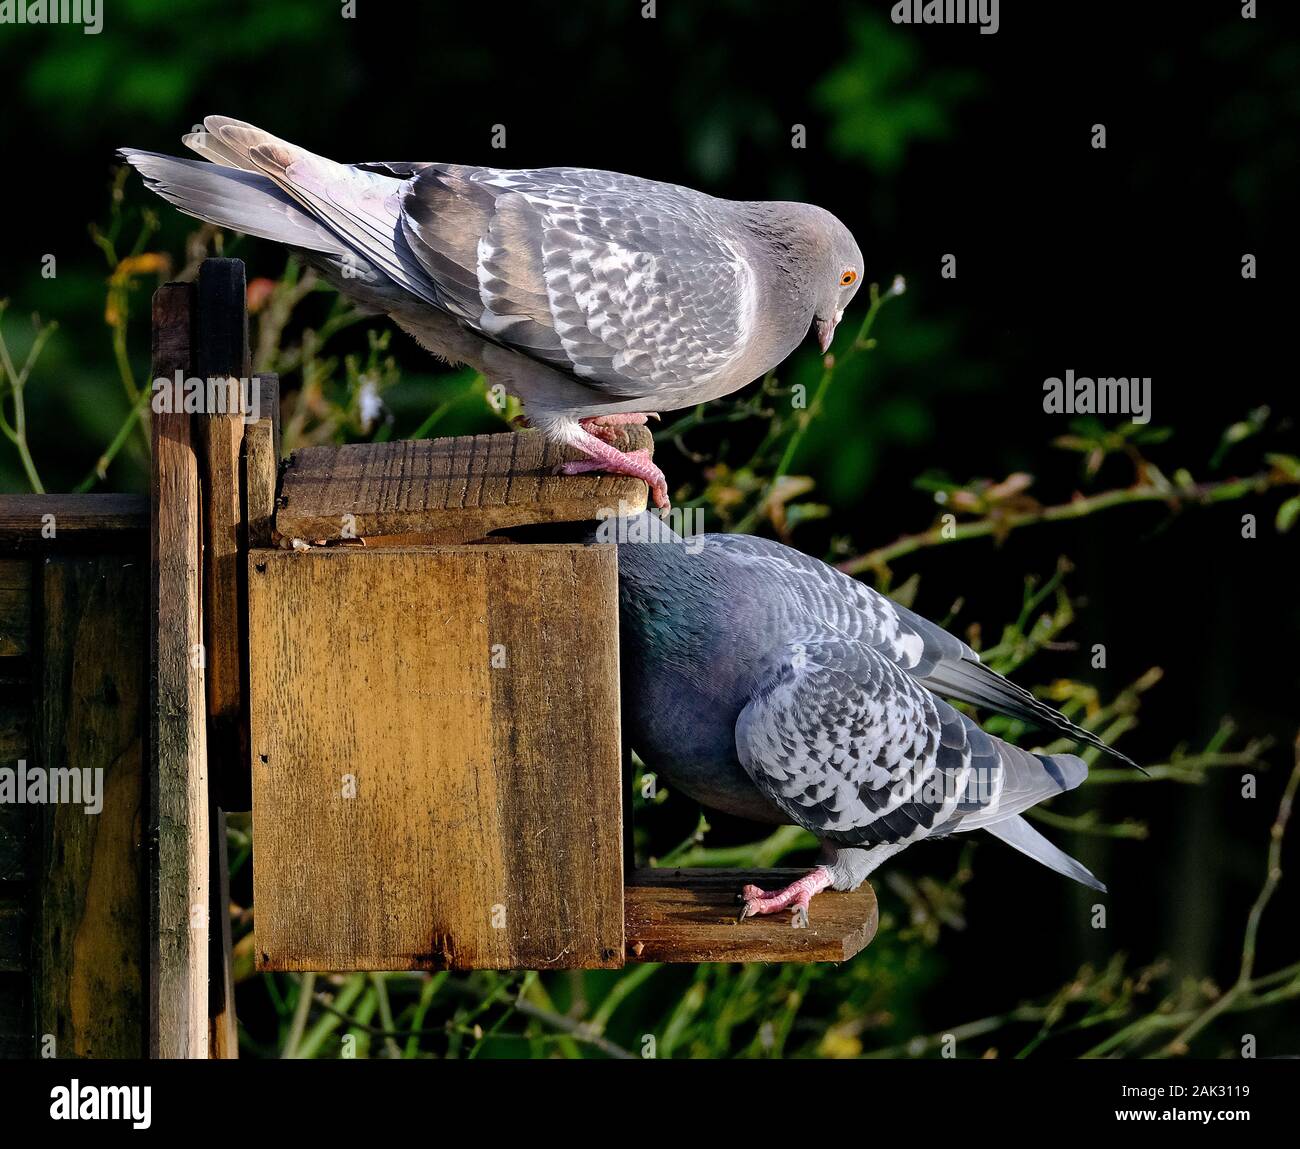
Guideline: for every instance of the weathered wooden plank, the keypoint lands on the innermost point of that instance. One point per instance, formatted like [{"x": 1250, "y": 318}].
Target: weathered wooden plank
[
  {"x": 15, "y": 607},
  {"x": 436, "y": 758},
  {"x": 221, "y": 352},
  {"x": 690, "y": 916},
  {"x": 46, "y": 521},
  {"x": 14, "y": 720},
  {"x": 14, "y": 838},
  {"x": 262, "y": 465},
  {"x": 557, "y": 745},
  {"x": 223, "y": 1032},
  {"x": 90, "y": 943},
  {"x": 15, "y": 1023},
  {"x": 445, "y": 490},
  {"x": 13, "y": 935},
  {"x": 15, "y": 820},
  {"x": 178, "y": 806},
  {"x": 221, "y": 320}
]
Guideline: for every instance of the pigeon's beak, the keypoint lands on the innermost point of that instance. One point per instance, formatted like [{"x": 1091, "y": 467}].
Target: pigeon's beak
[{"x": 826, "y": 330}]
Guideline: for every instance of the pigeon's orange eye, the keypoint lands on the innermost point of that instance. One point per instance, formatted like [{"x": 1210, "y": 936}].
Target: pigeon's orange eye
[{"x": 848, "y": 278}]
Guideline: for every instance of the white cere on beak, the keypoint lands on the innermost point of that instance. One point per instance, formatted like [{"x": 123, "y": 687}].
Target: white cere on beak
[{"x": 839, "y": 315}]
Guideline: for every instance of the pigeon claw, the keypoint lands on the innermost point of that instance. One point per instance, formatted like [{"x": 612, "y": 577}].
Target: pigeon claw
[
  {"x": 602, "y": 456},
  {"x": 796, "y": 896}
]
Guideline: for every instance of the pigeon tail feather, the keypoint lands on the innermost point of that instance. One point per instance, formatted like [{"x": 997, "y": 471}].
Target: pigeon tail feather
[
  {"x": 1020, "y": 834},
  {"x": 234, "y": 198},
  {"x": 969, "y": 681}
]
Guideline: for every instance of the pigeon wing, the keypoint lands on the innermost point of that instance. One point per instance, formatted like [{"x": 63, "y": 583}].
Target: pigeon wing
[
  {"x": 630, "y": 286},
  {"x": 853, "y": 749},
  {"x": 935, "y": 658}
]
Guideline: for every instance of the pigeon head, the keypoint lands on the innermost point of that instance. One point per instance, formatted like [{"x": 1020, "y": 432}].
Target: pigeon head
[
  {"x": 838, "y": 275},
  {"x": 811, "y": 267}
]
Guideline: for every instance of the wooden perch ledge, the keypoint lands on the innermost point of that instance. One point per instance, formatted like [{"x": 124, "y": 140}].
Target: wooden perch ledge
[
  {"x": 443, "y": 490},
  {"x": 690, "y": 916}
]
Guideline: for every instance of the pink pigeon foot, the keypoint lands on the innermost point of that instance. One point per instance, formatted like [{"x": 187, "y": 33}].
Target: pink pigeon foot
[
  {"x": 797, "y": 895},
  {"x": 606, "y": 426},
  {"x": 601, "y": 456}
]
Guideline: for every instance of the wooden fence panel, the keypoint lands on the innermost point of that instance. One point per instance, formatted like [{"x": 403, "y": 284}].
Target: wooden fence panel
[
  {"x": 90, "y": 943},
  {"x": 72, "y": 698}
]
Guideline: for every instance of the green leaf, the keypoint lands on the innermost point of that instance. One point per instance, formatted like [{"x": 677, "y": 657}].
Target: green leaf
[
  {"x": 1289, "y": 465},
  {"x": 1287, "y": 514}
]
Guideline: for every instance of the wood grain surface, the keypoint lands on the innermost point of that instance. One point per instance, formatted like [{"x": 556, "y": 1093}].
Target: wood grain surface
[
  {"x": 90, "y": 987},
  {"x": 436, "y": 758},
  {"x": 15, "y": 607},
  {"x": 178, "y": 787},
  {"x": 690, "y": 916},
  {"x": 76, "y": 520},
  {"x": 446, "y": 490}
]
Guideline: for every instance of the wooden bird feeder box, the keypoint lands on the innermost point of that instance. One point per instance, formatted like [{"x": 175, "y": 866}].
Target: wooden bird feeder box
[
  {"x": 404, "y": 657},
  {"x": 437, "y": 764},
  {"x": 435, "y": 734}
]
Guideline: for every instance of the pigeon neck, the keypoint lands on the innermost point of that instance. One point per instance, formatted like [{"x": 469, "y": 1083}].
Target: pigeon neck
[{"x": 793, "y": 249}]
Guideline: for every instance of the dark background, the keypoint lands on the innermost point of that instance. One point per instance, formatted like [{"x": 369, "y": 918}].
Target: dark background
[{"x": 925, "y": 141}]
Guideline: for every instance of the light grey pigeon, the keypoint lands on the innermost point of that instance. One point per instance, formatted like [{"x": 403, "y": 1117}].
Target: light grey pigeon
[
  {"x": 768, "y": 685},
  {"x": 596, "y": 297}
]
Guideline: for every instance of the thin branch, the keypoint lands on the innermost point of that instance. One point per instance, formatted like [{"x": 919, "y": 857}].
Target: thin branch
[
  {"x": 17, "y": 433},
  {"x": 803, "y": 419},
  {"x": 584, "y": 1032},
  {"x": 1000, "y": 524},
  {"x": 300, "y": 1014}
]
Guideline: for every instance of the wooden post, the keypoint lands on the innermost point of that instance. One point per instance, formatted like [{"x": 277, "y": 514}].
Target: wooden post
[
  {"x": 223, "y": 1032},
  {"x": 221, "y": 354},
  {"x": 221, "y": 357},
  {"x": 178, "y": 813},
  {"x": 262, "y": 464}
]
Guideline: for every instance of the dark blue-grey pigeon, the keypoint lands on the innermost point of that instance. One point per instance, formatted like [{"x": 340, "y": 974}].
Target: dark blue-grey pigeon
[
  {"x": 769, "y": 685},
  {"x": 597, "y": 298}
]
